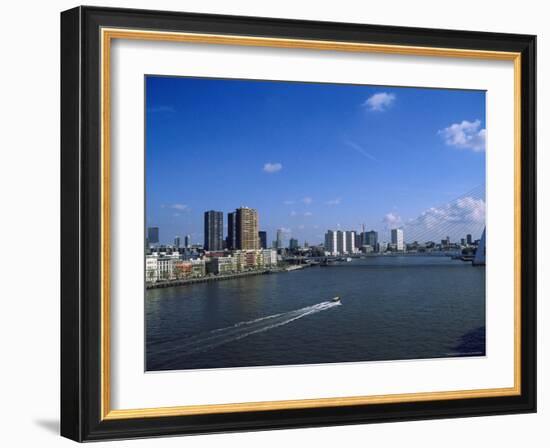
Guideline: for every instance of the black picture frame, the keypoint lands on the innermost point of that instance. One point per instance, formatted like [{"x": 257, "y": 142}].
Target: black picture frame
[{"x": 81, "y": 224}]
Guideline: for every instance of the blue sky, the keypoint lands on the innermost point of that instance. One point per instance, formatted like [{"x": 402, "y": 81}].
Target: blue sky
[{"x": 310, "y": 156}]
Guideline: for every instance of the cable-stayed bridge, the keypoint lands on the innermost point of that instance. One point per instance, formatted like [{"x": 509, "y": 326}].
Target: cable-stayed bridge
[
  {"x": 461, "y": 216},
  {"x": 438, "y": 231}
]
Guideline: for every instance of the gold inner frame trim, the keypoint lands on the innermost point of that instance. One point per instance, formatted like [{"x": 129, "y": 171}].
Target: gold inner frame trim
[{"x": 107, "y": 35}]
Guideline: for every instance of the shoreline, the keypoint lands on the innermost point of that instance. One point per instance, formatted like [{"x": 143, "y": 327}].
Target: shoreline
[{"x": 215, "y": 278}]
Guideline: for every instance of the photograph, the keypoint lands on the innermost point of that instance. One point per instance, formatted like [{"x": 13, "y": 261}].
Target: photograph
[{"x": 299, "y": 223}]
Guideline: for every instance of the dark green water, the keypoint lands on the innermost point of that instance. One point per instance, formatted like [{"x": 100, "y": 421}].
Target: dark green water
[{"x": 392, "y": 308}]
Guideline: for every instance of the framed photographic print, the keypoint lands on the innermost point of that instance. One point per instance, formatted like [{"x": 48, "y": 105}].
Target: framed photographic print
[{"x": 273, "y": 223}]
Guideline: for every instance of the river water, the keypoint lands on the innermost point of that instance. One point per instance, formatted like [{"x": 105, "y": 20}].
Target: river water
[{"x": 392, "y": 308}]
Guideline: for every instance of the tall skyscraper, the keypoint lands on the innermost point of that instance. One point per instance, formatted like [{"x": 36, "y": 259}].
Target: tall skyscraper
[
  {"x": 153, "y": 235},
  {"x": 262, "y": 235},
  {"x": 397, "y": 238},
  {"x": 187, "y": 241},
  {"x": 330, "y": 242},
  {"x": 293, "y": 244},
  {"x": 213, "y": 230},
  {"x": 232, "y": 230},
  {"x": 177, "y": 242},
  {"x": 469, "y": 239},
  {"x": 370, "y": 238},
  {"x": 280, "y": 238},
  {"x": 247, "y": 228},
  {"x": 341, "y": 247},
  {"x": 350, "y": 241}
]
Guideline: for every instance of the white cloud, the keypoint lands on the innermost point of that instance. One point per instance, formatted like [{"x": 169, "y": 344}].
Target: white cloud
[
  {"x": 293, "y": 213},
  {"x": 308, "y": 214},
  {"x": 391, "y": 220},
  {"x": 467, "y": 135},
  {"x": 272, "y": 167},
  {"x": 464, "y": 215},
  {"x": 179, "y": 207},
  {"x": 334, "y": 201},
  {"x": 379, "y": 102},
  {"x": 307, "y": 200},
  {"x": 462, "y": 211}
]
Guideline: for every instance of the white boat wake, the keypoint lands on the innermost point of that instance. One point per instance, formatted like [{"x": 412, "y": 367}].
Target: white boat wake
[{"x": 214, "y": 338}]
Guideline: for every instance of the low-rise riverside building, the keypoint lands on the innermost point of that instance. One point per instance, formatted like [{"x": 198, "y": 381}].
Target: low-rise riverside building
[
  {"x": 161, "y": 266},
  {"x": 221, "y": 265}
]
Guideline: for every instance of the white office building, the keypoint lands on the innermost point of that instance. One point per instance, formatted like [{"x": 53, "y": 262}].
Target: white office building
[
  {"x": 341, "y": 247},
  {"x": 330, "y": 242},
  {"x": 397, "y": 239},
  {"x": 350, "y": 241}
]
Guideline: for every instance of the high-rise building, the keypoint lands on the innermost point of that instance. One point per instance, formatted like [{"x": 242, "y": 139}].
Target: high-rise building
[
  {"x": 262, "y": 235},
  {"x": 469, "y": 239},
  {"x": 280, "y": 239},
  {"x": 213, "y": 230},
  {"x": 350, "y": 241},
  {"x": 187, "y": 241},
  {"x": 153, "y": 235},
  {"x": 397, "y": 239},
  {"x": 370, "y": 238},
  {"x": 293, "y": 244},
  {"x": 330, "y": 242},
  {"x": 247, "y": 228},
  {"x": 231, "y": 241},
  {"x": 177, "y": 242},
  {"x": 341, "y": 240}
]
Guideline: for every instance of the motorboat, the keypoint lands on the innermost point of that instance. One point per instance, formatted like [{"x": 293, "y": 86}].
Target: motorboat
[{"x": 335, "y": 299}]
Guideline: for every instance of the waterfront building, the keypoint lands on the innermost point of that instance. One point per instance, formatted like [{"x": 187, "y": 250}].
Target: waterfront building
[
  {"x": 382, "y": 247},
  {"x": 370, "y": 238},
  {"x": 367, "y": 248},
  {"x": 198, "y": 268},
  {"x": 181, "y": 269},
  {"x": 247, "y": 229},
  {"x": 350, "y": 241},
  {"x": 262, "y": 235},
  {"x": 293, "y": 244},
  {"x": 269, "y": 257},
  {"x": 213, "y": 230},
  {"x": 187, "y": 241},
  {"x": 164, "y": 268},
  {"x": 397, "y": 239},
  {"x": 469, "y": 239},
  {"x": 462, "y": 241},
  {"x": 177, "y": 242},
  {"x": 153, "y": 235},
  {"x": 330, "y": 242},
  {"x": 222, "y": 265},
  {"x": 231, "y": 241},
  {"x": 151, "y": 269},
  {"x": 161, "y": 265},
  {"x": 341, "y": 247},
  {"x": 280, "y": 238}
]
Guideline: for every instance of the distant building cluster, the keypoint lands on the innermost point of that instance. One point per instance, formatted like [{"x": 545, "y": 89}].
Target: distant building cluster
[
  {"x": 244, "y": 249},
  {"x": 349, "y": 242}
]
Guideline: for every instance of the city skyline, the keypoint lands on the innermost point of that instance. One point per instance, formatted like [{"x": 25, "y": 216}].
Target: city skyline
[{"x": 333, "y": 167}]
